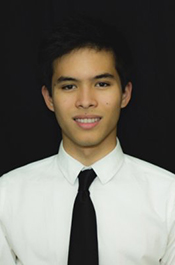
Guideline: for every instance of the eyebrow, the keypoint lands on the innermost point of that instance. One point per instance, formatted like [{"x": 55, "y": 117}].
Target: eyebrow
[
  {"x": 105, "y": 75},
  {"x": 67, "y": 78}
]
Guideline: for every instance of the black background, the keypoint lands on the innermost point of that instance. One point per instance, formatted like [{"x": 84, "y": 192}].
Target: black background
[{"x": 146, "y": 129}]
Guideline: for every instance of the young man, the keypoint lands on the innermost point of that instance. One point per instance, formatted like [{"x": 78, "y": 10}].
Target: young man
[{"x": 85, "y": 70}]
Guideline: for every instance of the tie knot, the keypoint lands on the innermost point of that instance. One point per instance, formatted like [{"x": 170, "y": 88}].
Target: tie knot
[{"x": 86, "y": 177}]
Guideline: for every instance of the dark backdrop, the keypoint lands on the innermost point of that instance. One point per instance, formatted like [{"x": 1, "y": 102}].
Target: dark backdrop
[{"x": 29, "y": 131}]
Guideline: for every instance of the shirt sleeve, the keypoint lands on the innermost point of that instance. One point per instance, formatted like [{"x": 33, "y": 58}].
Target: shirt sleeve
[
  {"x": 6, "y": 254},
  {"x": 169, "y": 256}
]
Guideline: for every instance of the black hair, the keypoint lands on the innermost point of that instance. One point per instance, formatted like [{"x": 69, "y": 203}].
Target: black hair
[{"x": 79, "y": 32}]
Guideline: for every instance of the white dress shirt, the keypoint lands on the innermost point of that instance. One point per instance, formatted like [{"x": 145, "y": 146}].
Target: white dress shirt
[{"x": 134, "y": 203}]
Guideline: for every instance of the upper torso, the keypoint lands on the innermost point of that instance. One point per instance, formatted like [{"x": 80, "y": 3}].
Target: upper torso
[{"x": 134, "y": 203}]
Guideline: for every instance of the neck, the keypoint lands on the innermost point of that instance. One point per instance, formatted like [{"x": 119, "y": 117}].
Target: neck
[{"x": 88, "y": 155}]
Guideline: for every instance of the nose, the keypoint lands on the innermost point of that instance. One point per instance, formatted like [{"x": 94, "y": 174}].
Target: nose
[{"x": 86, "y": 98}]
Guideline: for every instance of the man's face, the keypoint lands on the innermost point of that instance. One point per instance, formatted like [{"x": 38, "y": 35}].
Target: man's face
[{"x": 87, "y": 98}]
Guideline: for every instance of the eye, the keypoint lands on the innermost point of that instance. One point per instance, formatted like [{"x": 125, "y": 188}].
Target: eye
[
  {"x": 68, "y": 87},
  {"x": 102, "y": 84}
]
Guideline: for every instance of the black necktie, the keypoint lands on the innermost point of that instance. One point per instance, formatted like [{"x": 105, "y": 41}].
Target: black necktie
[{"x": 83, "y": 248}]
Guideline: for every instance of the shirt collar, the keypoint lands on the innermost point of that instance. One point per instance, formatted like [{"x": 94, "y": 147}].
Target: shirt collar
[{"x": 105, "y": 168}]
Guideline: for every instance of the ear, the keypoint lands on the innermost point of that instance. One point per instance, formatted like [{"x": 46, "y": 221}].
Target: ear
[
  {"x": 126, "y": 96},
  {"x": 47, "y": 98}
]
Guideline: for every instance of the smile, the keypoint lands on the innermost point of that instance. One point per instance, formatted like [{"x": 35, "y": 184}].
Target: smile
[
  {"x": 87, "y": 123},
  {"x": 88, "y": 120}
]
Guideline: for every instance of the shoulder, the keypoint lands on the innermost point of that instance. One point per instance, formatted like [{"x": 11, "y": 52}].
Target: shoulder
[
  {"x": 148, "y": 170},
  {"x": 29, "y": 171},
  {"x": 147, "y": 166},
  {"x": 155, "y": 184}
]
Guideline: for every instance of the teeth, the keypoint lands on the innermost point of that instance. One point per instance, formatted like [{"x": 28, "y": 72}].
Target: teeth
[{"x": 88, "y": 120}]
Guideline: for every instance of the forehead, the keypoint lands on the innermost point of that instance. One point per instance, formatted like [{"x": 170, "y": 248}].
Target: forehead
[{"x": 85, "y": 61}]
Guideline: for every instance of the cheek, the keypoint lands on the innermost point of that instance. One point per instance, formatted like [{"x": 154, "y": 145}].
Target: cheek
[
  {"x": 61, "y": 105},
  {"x": 112, "y": 99},
  {"x": 112, "y": 104},
  {"x": 63, "y": 109}
]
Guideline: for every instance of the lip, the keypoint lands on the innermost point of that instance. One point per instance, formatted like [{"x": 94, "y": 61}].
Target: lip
[
  {"x": 88, "y": 125},
  {"x": 86, "y": 117}
]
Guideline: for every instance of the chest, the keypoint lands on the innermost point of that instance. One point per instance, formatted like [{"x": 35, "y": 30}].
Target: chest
[{"x": 129, "y": 227}]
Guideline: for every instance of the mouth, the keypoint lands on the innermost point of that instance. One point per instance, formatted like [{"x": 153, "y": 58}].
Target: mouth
[{"x": 87, "y": 122}]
